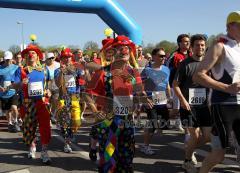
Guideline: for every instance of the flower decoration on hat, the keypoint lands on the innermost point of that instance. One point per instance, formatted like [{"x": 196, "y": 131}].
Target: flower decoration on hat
[{"x": 66, "y": 53}]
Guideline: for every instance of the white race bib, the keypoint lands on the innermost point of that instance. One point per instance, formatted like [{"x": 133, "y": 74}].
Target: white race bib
[
  {"x": 159, "y": 97},
  {"x": 69, "y": 81},
  {"x": 197, "y": 96},
  {"x": 122, "y": 105},
  {"x": 6, "y": 84},
  {"x": 236, "y": 78},
  {"x": 35, "y": 89}
]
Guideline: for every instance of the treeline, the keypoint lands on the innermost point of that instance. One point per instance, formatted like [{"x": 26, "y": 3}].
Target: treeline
[{"x": 91, "y": 46}]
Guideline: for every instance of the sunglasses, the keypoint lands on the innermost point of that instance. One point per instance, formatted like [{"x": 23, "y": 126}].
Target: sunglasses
[
  {"x": 51, "y": 58},
  {"x": 161, "y": 56}
]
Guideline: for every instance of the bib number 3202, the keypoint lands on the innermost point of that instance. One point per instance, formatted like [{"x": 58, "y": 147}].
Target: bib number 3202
[
  {"x": 122, "y": 105},
  {"x": 197, "y": 96}
]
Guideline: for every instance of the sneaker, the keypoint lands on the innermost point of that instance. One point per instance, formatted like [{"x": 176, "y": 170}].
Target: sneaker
[
  {"x": 189, "y": 167},
  {"x": 178, "y": 125},
  {"x": 45, "y": 158},
  {"x": 194, "y": 159},
  {"x": 11, "y": 128},
  {"x": 17, "y": 127},
  {"x": 93, "y": 155},
  {"x": 237, "y": 152},
  {"x": 32, "y": 153},
  {"x": 53, "y": 119},
  {"x": 146, "y": 149},
  {"x": 67, "y": 148},
  {"x": 20, "y": 122}
]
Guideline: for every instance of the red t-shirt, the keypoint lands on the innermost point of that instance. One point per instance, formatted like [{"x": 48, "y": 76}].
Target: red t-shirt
[{"x": 122, "y": 84}]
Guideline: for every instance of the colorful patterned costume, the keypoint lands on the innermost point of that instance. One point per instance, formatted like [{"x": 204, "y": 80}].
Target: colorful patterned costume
[
  {"x": 69, "y": 112},
  {"x": 35, "y": 108},
  {"x": 116, "y": 139}
]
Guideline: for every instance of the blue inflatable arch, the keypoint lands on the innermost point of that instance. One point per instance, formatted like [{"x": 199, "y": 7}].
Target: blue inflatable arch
[{"x": 108, "y": 10}]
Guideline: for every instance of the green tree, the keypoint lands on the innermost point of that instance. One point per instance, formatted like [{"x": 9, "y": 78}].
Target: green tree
[
  {"x": 14, "y": 49},
  {"x": 91, "y": 45},
  {"x": 167, "y": 45},
  {"x": 148, "y": 48},
  {"x": 1, "y": 54}
]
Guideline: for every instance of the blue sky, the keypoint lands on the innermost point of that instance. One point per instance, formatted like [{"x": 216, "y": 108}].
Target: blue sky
[{"x": 159, "y": 19}]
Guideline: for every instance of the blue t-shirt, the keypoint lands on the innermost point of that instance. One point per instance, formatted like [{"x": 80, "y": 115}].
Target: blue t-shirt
[
  {"x": 71, "y": 80},
  {"x": 155, "y": 79},
  {"x": 36, "y": 82},
  {"x": 6, "y": 78}
]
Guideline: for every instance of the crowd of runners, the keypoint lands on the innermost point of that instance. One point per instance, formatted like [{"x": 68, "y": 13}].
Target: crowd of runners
[{"x": 199, "y": 86}]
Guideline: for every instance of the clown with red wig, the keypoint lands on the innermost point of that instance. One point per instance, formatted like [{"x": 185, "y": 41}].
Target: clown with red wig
[
  {"x": 32, "y": 80},
  {"x": 69, "y": 112},
  {"x": 117, "y": 82}
]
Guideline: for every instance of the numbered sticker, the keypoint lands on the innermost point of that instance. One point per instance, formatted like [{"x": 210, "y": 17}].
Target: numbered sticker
[
  {"x": 35, "y": 89},
  {"x": 159, "y": 97},
  {"x": 122, "y": 105},
  {"x": 69, "y": 81},
  {"x": 236, "y": 77},
  {"x": 6, "y": 84},
  {"x": 197, "y": 96}
]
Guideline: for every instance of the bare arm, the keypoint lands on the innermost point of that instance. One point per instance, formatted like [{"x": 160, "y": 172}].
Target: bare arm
[
  {"x": 179, "y": 94},
  {"x": 168, "y": 91},
  {"x": 213, "y": 56}
]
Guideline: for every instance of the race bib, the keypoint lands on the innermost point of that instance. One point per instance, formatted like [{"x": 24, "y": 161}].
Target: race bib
[
  {"x": 159, "y": 97},
  {"x": 69, "y": 81},
  {"x": 122, "y": 105},
  {"x": 6, "y": 84},
  {"x": 236, "y": 78},
  {"x": 197, "y": 96},
  {"x": 35, "y": 89}
]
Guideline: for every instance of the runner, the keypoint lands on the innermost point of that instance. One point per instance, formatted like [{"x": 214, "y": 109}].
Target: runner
[
  {"x": 9, "y": 98},
  {"x": 194, "y": 111},
  {"x": 173, "y": 63},
  {"x": 68, "y": 113},
  {"x": 117, "y": 81},
  {"x": 155, "y": 80},
  {"x": 222, "y": 60},
  {"x": 32, "y": 80},
  {"x": 107, "y": 57},
  {"x": 51, "y": 66}
]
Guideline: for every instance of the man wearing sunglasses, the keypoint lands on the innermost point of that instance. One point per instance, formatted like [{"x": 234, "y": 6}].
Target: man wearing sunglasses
[
  {"x": 51, "y": 66},
  {"x": 156, "y": 85}
]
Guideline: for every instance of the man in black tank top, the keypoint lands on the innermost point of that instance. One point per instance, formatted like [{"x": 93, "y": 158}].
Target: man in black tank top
[{"x": 222, "y": 59}]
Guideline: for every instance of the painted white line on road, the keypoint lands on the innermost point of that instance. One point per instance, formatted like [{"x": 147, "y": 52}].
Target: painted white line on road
[
  {"x": 227, "y": 162},
  {"x": 83, "y": 154},
  {"x": 20, "y": 171}
]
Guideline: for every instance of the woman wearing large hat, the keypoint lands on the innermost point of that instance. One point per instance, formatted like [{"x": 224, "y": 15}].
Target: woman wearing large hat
[{"x": 33, "y": 79}]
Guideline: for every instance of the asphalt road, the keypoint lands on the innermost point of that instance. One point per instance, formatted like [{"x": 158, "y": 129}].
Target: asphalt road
[{"x": 168, "y": 158}]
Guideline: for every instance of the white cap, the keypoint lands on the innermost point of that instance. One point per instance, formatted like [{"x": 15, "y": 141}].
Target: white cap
[
  {"x": 50, "y": 55},
  {"x": 8, "y": 55}
]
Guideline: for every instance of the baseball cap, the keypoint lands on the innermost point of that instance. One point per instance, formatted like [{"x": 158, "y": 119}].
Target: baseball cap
[
  {"x": 8, "y": 55},
  {"x": 50, "y": 55},
  {"x": 233, "y": 17}
]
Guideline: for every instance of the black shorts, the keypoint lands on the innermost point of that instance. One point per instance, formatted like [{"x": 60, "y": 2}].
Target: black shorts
[
  {"x": 7, "y": 103},
  {"x": 226, "y": 119},
  {"x": 199, "y": 116},
  {"x": 158, "y": 117}
]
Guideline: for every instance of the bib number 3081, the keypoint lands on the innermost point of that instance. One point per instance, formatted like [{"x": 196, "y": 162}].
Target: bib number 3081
[{"x": 197, "y": 96}]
